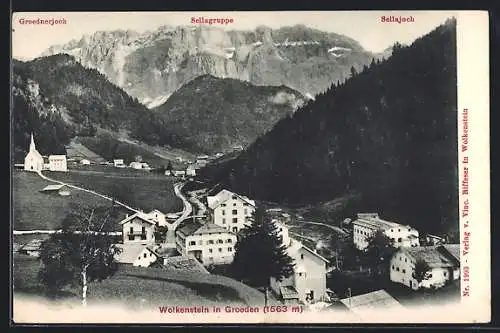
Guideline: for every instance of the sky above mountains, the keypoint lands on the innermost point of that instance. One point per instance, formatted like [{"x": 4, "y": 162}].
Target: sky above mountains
[{"x": 29, "y": 40}]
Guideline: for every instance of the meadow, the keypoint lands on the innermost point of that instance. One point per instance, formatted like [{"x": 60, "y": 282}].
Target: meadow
[
  {"x": 143, "y": 287},
  {"x": 33, "y": 210}
]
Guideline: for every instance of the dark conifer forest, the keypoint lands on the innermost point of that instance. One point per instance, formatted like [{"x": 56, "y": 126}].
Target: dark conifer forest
[{"x": 388, "y": 133}]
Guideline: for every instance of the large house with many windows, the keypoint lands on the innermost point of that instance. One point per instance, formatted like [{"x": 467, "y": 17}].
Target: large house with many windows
[
  {"x": 209, "y": 243},
  {"x": 367, "y": 224},
  {"x": 230, "y": 210},
  {"x": 138, "y": 228}
]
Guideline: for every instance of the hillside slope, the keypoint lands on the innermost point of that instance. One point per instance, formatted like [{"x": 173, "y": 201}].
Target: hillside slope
[
  {"x": 212, "y": 114},
  {"x": 388, "y": 133}
]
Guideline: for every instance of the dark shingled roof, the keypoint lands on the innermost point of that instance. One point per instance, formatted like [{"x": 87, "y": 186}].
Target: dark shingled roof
[
  {"x": 189, "y": 228},
  {"x": 453, "y": 250},
  {"x": 211, "y": 228},
  {"x": 430, "y": 254}
]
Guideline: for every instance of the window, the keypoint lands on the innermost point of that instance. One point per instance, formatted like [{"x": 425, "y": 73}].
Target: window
[
  {"x": 444, "y": 273},
  {"x": 235, "y": 229},
  {"x": 229, "y": 249},
  {"x": 406, "y": 260},
  {"x": 392, "y": 267},
  {"x": 143, "y": 230},
  {"x": 234, "y": 204},
  {"x": 246, "y": 211},
  {"x": 404, "y": 270},
  {"x": 211, "y": 241},
  {"x": 220, "y": 241},
  {"x": 220, "y": 249},
  {"x": 235, "y": 220},
  {"x": 397, "y": 269},
  {"x": 235, "y": 212},
  {"x": 399, "y": 240},
  {"x": 300, "y": 274},
  {"x": 399, "y": 230},
  {"x": 392, "y": 239},
  {"x": 210, "y": 250},
  {"x": 223, "y": 221},
  {"x": 145, "y": 255},
  {"x": 229, "y": 240},
  {"x": 301, "y": 256},
  {"x": 223, "y": 205},
  {"x": 192, "y": 243},
  {"x": 223, "y": 212},
  {"x": 234, "y": 197},
  {"x": 392, "y": 230},
  {"x": 131, "y": 230}
]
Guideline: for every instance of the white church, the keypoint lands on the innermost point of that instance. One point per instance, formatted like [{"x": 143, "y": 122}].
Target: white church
[{"x": 34, "y": 160}]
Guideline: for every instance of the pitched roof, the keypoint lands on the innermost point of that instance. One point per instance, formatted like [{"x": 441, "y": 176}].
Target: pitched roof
[
  {"x": 289, "y": 292},
  {"x": 141, "y": 215},
  {"x": 295, "y": 246},
  {"x": 372, "y": 220},
  {"x": 452, "y": 249},
  {"x": 188, "y": 228},
  {"x": 130, "y": 252},
  {"x": 211, "y": 228},
  {"x": 430, "y": 254},
  {"x": 53, "y": 187},
  {"x": 33, "y": 245},
  {"x": 56, "y": 157},
  {"x": 371, "y": 301},
  {"x": 185, "y": 263},
  {"x": 224, "y": 195}
]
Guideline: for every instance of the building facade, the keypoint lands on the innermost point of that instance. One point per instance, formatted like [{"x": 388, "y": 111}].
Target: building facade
[
  {"x": 138, "y": 228},
  {"x": 33, "y": 160},
  {"x": 443, "y": 263},
  {"x": 230, "y": 210},
  {"x": 58, "y": 163},
  {"x": 210, "y": 244},
  {"x": 366, "y": 225},
  {"x": 308, "y": 281}
]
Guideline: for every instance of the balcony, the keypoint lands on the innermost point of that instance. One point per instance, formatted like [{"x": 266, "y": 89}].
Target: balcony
[{"x": 132, "y": 235}]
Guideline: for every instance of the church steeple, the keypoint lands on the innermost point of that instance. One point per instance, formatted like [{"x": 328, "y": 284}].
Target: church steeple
[{"x": 32, "y": 143}]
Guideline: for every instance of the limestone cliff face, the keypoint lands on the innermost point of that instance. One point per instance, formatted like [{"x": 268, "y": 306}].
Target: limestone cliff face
[{"x": 152, "y": 65}]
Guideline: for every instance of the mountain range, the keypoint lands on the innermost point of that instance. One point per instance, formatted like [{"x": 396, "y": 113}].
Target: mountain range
[
  {"x": 57, "y": 98},
  {"x": 388, "y": 134},
  {"x": 150, "y": 66}
]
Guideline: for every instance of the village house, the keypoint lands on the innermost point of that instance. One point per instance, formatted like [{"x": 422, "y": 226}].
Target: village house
[
  {"x": 58, "y": 163},
  {"x": 191, "y": 170},
  {"x": 179, "y": 173},
  {"x": 32, "y": 248},
  {"x": 443, "y": 262},
  {"x": 139, "y": 166},
  {"x": 33, "y": 160},
  {"x": 84, "y": 162},
  {"x": 158, "y": 217},
  {"x": 118, "y": 163},
  {"x": 138, "y": 228},
  {"x": 208, "y": 243},
  {"x": 138, "y": 255},
  {"x": 308, "y": 281},
  {"x": 60, "y": 189},
  {"x": 367, "y": 224},
  {"x": 230, "y": 210}
]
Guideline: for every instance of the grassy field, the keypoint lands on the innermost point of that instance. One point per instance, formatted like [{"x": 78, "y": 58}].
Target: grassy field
[
  {"x": 139, "y": 189},
  {"x": 35, "y": 210},
  {"x": 153, "y": 287}
]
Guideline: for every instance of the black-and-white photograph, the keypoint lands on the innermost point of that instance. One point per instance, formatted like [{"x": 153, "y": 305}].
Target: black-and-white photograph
[{"x": 232, "y": 166}]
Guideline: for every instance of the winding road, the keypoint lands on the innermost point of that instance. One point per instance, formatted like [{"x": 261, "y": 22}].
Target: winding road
[{"x": 186, "y": 212}]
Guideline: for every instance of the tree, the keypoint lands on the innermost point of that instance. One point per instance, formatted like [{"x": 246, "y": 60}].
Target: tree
[
  {"x": 82, "y": 252},
  {"x": 353, "y": 71},
  {"x": 259, "y": 254},
  {"x": 380, "y": 248},
  {"x": 422, "y": 268}
]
